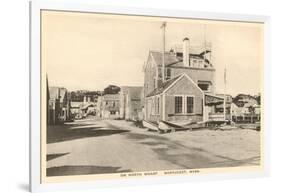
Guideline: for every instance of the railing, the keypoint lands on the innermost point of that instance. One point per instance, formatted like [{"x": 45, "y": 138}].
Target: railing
[{"x": 216, "y": 117}]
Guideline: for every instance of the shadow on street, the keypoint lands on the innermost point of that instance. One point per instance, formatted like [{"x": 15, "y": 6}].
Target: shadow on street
[
  {"x": 54, "y": 156},
  {"x": 163, "y": 152},
  {"x": 196, "y": 158},
  {"x": 82, "y": 170},
  {"x": 66, "y": 132}
]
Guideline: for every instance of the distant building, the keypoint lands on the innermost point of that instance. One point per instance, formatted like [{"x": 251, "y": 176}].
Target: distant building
[
  {"x": 84, "y": 95},
  {"x": 82, "y": 109},
  {"x": 85, "y": 106},
  {"x": 108, "y": 106},
  {"x": 131, "y": 103},
  {"x": 75, "y": 107},
  {"x": 245, "y": 109},
  {"x": 59, "y": 105},
  {"x": 88, "y": 108}
]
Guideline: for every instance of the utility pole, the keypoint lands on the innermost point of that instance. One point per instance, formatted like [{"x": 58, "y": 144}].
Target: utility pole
[
  {"x": 224, "y": 100},
  {"x": 205, "y": 44},
  {"x": 163, "y": 26}
]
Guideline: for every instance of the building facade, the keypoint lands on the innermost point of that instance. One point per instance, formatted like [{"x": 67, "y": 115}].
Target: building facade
[
  {"x": 108, "y": 106},
  {"x": 131, "y": 103},
  {"x": 58, "y": 105},
  {"x": 178, "y": 93},
  {"x": 246, "y": 109}
]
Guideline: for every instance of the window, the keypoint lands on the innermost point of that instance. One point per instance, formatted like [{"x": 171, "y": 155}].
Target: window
[
  {"x": 157, "y": 105},
  {"x": 113, "y": 104},
  {"x": 152, "y": 106},
  {"x": 178, "y": 104},
  {"x": 168, "y": 73},
  {"x": 204, "y": 87},
  {"x": 189, "y": 104},
  {"x": 179, "y": 54}
]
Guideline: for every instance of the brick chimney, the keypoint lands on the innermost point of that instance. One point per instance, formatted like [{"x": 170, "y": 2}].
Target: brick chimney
[{"x": 186, "y": 51}]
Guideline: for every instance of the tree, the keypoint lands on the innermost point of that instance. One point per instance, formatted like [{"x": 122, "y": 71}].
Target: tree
[
  {"x": 111, "y": 89},
  {"x": 258, "y": 98}
]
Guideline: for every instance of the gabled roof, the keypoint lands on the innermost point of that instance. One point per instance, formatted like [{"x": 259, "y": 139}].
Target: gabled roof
[
  {"x": 163, "y": 87},
  {"x": 168, "y": 84},
  {"x": 171, "y": 59}
]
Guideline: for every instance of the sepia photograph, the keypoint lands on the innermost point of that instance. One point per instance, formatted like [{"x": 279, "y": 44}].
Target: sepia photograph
[{"x": 131, "y": 95}]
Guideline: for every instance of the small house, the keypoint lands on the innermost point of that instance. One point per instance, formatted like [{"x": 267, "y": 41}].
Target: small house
[
  {"x": 179, "y": 85},
  {"x": 245, "y": 109}
]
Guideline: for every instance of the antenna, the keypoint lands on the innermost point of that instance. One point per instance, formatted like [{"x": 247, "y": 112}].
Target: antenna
[
  {"x": 163, "y": 26},
  {"x": 224, "y": 100},
  {"x": 205, "y": 43}
]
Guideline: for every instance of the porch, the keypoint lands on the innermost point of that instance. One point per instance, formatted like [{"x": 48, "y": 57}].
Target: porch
[
  {"x": 214, "y": 110},
  {"x": 216, "y": 117}
]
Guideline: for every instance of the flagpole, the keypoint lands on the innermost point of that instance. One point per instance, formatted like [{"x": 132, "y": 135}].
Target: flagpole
[
  {"x": 205, "y": 44},
  {"x": 163, "y": 54},
  {"x": 224, "y": 100}
]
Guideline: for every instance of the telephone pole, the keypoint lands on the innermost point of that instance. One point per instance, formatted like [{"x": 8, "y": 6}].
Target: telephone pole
[
  {"x": 224, "y": 100},
  {"x": 163, "y": 26}
]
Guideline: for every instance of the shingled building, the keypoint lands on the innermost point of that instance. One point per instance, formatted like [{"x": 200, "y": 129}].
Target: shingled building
[{"x": 187, "y": 91}]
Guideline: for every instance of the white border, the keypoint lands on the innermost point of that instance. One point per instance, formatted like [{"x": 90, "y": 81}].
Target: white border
[{"x": 35, "y": 8}]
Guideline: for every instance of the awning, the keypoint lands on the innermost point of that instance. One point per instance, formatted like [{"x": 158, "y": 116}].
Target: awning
[{"x": 213, "y": 100}]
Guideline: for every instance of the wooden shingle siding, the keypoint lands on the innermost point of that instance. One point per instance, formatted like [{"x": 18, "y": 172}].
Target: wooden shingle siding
[
  {"x": 197, "y": 75},
  {"x": 184, "y": 87}
]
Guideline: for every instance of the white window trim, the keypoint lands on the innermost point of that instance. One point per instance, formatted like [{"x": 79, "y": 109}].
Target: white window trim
[
  {"x": 209, "y": 87},
  {"x": 166, "y": 74},
  {"x": 185, "y": 105},
  {"x": 154, "y": 102},
  {"x": 157, "y": 110},
  {"x": 182, "y": 113}
]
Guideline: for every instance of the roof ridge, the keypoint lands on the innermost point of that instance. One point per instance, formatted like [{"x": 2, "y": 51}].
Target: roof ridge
[{"x": 160, "y": 89}]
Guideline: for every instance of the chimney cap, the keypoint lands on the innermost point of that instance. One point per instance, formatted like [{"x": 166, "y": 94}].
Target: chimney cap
[{"x": 186, "y": 38}]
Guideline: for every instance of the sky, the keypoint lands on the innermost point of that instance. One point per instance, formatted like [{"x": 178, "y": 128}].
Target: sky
[{"x": 91, "y": 51}]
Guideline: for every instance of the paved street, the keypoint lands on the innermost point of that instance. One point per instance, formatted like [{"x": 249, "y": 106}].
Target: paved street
[{"x": 92, "y": 146}]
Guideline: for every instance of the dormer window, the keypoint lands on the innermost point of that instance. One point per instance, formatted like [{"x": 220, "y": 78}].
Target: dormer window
[
  {"x": 168, "y": 73},
  {"x": 179, "y": 54}
]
